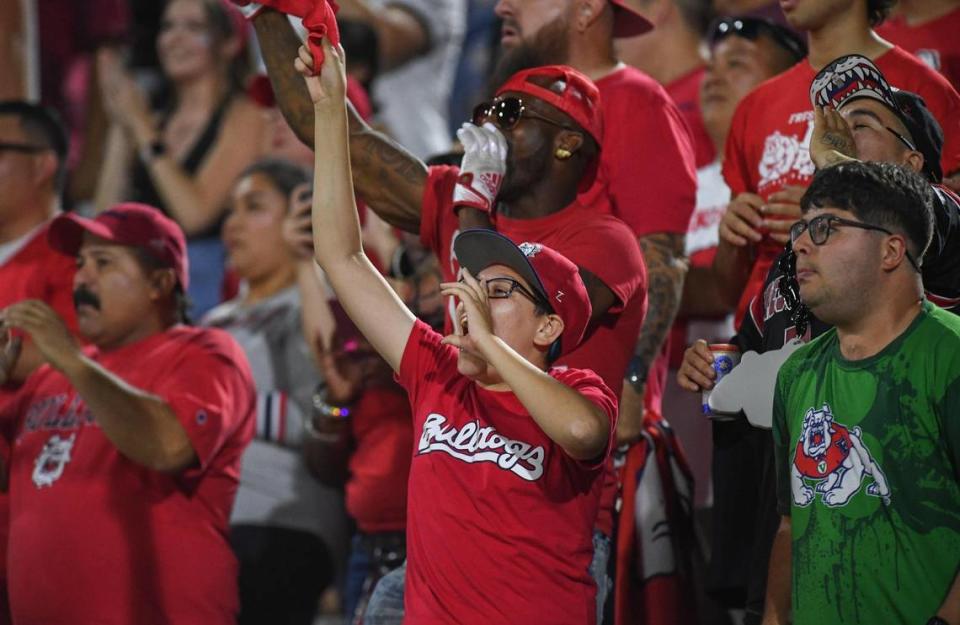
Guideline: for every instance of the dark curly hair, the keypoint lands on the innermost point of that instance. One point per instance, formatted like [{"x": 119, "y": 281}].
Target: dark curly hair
[{"x": 882, "y": 194}]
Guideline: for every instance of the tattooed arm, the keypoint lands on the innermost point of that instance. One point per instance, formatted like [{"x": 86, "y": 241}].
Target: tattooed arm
[
  {"x": 666, "y": 269},
  {"x": 387, "y": 178}
]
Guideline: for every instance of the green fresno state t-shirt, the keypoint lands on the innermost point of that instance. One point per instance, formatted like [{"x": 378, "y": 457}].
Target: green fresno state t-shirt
[{"x": 868, "y": 469}]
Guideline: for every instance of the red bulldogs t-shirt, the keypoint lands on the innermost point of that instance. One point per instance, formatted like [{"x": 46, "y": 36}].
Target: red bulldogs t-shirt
[
  {"x": 499, "y": 519},
  {"x": 96, "y": 539},
  {"x": 768, "y": 145},
  {"x": 934, "y": 42}
]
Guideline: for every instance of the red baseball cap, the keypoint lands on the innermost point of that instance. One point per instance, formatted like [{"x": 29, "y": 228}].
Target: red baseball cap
[
  {"x": 136, "y": 225},
  {"x": 548, "y": 272},
  {"x": 627, "y": 22},
  {"x": 577, "y": 96}
]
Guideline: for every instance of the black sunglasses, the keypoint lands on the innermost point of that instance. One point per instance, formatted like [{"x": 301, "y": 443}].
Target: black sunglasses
[
  {"x": 505, "y": 113},
  {"x": 752, "y": 27},
  {"x": 821, "y": 227},
  {"x": 26, "y": 148}
]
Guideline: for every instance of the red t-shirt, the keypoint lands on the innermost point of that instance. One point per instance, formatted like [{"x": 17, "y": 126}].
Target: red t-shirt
[
  {"x": 934, "y": 42},
  {"x": 647, "y": 173},
  {"x": 96, "y": 538},
  {"x": 601, "y": 244},
  {"x": 35, "y": 272},
  {"x": 376, "y": 492},
  {"x": 685, "y": 93},
  {"x": 768, "y": 144},
  {"x": 500, "y": 518}
]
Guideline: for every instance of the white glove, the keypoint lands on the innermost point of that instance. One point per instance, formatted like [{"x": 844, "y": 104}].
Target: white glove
[{"x": 483, "y": 167}]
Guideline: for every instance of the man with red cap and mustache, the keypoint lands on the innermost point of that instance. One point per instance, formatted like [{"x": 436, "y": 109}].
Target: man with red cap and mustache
[{"x": 126, "y": 454}]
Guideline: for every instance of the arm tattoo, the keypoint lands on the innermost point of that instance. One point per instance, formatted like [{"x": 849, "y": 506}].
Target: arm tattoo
[{"x": 666, "y": 268}]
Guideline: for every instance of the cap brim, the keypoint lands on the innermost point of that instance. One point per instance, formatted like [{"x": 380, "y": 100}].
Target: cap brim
[
  {"x": 479, "y": 248},
  {"x": 627, "y": 22},
  {"x": 66, "y": 233}
]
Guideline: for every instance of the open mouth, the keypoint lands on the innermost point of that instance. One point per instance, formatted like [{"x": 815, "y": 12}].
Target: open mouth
[{"x": 509, "y": 33}]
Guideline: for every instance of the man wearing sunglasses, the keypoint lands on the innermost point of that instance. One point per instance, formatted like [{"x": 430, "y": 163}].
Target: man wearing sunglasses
[
  {"x": 865, "y": 436},
  {"x": 767, "y": 162}
]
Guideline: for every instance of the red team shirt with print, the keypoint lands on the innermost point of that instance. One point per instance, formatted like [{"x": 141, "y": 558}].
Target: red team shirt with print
[
  {"x": 35, "y": 271},
  {"x": 935, "y": 42},
  {"x": 96, "y": 538},
  {"x": 768, "y": 145},
  {"x": 647, "y": 175},
  {"x": 499, "y": 516}
]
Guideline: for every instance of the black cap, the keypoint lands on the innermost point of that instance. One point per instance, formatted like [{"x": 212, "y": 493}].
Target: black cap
[{"x": 853, "y": 77}]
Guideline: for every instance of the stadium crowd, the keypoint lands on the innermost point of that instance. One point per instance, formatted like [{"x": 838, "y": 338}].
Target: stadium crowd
[{"x": 559, "y": 312}]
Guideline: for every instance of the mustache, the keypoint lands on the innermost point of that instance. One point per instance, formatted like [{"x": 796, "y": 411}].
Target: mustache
[{"x": 81, "y": 295}]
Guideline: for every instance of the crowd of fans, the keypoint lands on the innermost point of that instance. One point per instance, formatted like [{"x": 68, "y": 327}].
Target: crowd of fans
[{"x": 413, "y": 314}]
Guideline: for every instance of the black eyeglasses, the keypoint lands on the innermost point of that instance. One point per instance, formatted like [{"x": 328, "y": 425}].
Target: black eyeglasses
[
  {"x": 752, "y": 27},
  {"x": 903, "y": 140},
  {"x": 821, "y": 227},
  {"x": 502, "y": 288},
  {"x": 506, "y": 113},
  {"x": 26, "y": 148}
]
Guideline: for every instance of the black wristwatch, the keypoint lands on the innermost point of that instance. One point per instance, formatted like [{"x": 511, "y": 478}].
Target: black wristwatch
[
  {"x": 636, "y": 375},
  {"x": 936, "y": 620}
]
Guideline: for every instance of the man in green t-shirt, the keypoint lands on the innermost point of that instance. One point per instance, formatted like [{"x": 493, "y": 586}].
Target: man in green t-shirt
[{"x": 867, "y": 416}]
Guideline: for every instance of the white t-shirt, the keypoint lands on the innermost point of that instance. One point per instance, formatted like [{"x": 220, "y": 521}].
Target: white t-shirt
[{"x": 413, "y": 99}]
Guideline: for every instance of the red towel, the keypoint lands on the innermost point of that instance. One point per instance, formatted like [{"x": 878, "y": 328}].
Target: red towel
[
  {"x": 318, "y": 17},
  {"x": 653, "y": 584}
]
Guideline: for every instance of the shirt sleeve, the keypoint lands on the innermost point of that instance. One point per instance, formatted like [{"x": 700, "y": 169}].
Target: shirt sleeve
[
  {"x": 608, "y": 250},
  {"x": 781, "y": 446},
  {"x": 591, "y": 387},
  {"x": 212, "y": 393},
  {"x": 736, "y": 172},
  {"x": 425, "y": 358},
  {"x": 437, "y": 207},
  {"x": 655, "y": 190}
]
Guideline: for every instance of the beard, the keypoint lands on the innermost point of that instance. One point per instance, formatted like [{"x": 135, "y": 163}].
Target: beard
[{"x": 548, "y": 46}]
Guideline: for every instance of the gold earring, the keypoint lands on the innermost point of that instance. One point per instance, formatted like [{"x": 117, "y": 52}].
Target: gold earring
[{"x": 563, "y": 154}]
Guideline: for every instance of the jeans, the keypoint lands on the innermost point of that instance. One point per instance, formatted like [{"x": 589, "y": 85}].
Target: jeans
[
  {"x": 386, "y": 604},
  {"x": 207, "y": 262}
]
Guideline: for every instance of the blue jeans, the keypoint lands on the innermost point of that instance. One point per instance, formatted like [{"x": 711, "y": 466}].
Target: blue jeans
[
  {"x": 358, "y": 567},
  {"x": 386, "y": 604}
]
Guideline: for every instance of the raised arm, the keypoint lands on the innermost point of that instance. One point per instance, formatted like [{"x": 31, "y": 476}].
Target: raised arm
[
  {"x": 388, "y": 178},
  {"x": 362, "y": 291}
]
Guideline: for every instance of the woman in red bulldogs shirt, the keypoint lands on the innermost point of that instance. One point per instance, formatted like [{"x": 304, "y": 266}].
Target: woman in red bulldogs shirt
[{"x": 508, "y": 451}]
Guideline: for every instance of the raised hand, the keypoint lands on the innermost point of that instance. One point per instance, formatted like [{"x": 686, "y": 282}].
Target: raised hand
[
  {"x": 298, "y": 224},
  {"x": 473, "y": 312},
  {"x": 46, "y": 329},
  {"x": 483, "y": 168},
  {"x": 832, "y": 140},
  {"x": 781, "y": 211},
  {"x": 123, "y": 99},
  {"x": 327, "y": 87}
]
